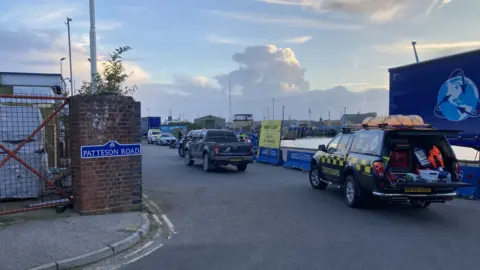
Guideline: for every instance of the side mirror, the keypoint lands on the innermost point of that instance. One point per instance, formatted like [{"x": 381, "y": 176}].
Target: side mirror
[{"x": 322, "y": 148}]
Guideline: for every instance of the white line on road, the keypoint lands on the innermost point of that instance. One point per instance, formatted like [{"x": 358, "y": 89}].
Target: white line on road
[
  {"x": 149, "y": 243},
  {"x": 143, "y": 255},
  {"x": 169, "y": 224},
  {"x": 157, "y": 219}
]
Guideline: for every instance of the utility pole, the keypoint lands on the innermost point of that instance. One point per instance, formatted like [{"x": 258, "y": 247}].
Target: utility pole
[
  {"x": 283, "y": 113},
  {"x": 70, "y": 54},
  {"x": 93, "y": 48},
  {"x": 273, "y": 108},
  {"x": 414, "y": 43},
  {"x": 230, "y": 98},
  {"x": 329, "y": 122},
  {"x": 309, "y": 117}
]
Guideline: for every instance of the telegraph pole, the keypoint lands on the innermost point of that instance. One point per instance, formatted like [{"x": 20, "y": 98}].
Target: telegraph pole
[
  {"x": 70, "y": 54},
  {"x": 230, "y": 98},
  {"x": 283, "y": 113},
  {"x": 93, "y": 47},
  {"x": 273, "y": 108}
]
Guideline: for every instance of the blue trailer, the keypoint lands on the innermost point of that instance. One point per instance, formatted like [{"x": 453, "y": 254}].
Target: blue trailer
[
  {"x": 150, "y": 122},
  {"x": 443, "y": 91}
]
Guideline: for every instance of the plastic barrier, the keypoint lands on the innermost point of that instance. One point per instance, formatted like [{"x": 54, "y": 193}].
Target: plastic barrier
[
  {"x": 270, "y": 155},
  {"x": 471, "y": 175},
  {"x": 297, "y": 158}
]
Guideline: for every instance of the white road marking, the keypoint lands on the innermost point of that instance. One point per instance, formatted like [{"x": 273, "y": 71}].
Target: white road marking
[
  {"x": 143, "y": 255},
  {"x": 169, "y": 224},
  {"x": 157, "y": 219},
  {"x": 149, "y": 243}
]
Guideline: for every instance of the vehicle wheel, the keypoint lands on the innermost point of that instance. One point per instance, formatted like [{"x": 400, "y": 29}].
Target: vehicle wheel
[
  {"x": 181, "y": 152},
  {"x": 315, "y": 181},
  {"x": 207, "y": 165},
  {"x": 353, "y": 197},
  {"x": 188, "y": 159},
  {"x": 242, "y": 167},
  {"x": 420, "y": 204}
]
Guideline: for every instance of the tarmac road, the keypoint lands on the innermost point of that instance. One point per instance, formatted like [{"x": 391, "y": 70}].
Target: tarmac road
[{"x": 270, "y": 218}]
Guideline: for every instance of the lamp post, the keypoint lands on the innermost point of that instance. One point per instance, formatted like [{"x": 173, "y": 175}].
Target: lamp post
[
  {"x": 93, "y": 47},
  {"x": 70, "y": 53},
  {"x": 61, "y": 65}
]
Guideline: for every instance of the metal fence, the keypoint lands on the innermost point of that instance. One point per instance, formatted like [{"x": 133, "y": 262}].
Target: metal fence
[{"x": 34, "y": 162}]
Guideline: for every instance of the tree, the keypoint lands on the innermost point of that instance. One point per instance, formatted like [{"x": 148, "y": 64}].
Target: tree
[{"x": 113, "y": 77}]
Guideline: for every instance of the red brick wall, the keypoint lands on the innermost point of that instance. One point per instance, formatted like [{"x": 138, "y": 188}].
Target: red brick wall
[{"x": 112, "y": 184}]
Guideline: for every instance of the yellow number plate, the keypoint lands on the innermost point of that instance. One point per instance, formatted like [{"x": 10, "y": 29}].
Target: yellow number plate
[
  {"x": 418, "y": 190},
  {"x": 236, "y": 159}
]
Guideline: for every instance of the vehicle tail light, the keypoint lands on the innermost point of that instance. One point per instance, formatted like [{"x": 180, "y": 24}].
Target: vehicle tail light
[
  {"x": 216, "y": 149},
  {"x": 378, "y": 168},
  {"x": 251, "y": 150}
]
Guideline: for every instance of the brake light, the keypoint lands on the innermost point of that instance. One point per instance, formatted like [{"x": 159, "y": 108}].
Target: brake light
[
  {"x": 216, "y": 149},
  {"x": 378, "y": 168}
]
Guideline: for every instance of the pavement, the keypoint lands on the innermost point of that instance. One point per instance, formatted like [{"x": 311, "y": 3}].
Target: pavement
[
  {"x": 270, "y": 218},
  {"x": 71, "y": 241}
]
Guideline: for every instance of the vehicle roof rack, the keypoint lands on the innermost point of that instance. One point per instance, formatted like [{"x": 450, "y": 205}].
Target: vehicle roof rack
[{"x": 392, "y": 122}]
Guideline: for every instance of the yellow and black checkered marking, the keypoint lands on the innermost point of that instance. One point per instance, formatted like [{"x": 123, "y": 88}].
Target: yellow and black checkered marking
[
  {"x": 362, "y": 165},
  {"x": 332, "y": 159}
]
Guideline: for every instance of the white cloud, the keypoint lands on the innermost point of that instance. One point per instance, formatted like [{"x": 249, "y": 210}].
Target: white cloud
[
  {"x": 301, "y": 39},
  {"x": 377, "y": 11},
  {"x": 288, "y": 21}
]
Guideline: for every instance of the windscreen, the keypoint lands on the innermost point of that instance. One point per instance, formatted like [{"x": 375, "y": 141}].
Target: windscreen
[
  {"x": 155, "y": 132},
  {"x": 221, "y": 136},
  {"x": 166, "y": 135}
]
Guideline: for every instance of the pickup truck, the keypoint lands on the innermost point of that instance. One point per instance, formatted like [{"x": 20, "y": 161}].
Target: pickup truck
[
  {"x": 217, "y": 147},
  {"x": 362, "y": 164}
]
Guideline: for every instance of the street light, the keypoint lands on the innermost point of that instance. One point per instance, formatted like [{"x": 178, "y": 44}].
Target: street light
[{"x": 61, "y": 66}]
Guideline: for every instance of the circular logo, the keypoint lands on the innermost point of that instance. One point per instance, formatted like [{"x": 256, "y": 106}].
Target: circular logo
[{"x": 458, "y": 98}]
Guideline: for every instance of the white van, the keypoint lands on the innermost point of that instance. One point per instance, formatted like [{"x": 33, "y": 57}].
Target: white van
[{"x": 153, "y": 135}]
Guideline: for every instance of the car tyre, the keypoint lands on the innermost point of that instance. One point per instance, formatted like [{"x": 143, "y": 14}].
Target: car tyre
[
  {"x": 242, "y": 167},
  {"x": 314, "y": 177},
  {"x": 181, "y": 152},
  {"x": 420, "y": 204},
  {"x": 188, "y": 158},
  {"x": 353, "y": 197},
  {"x": 207, "y": 165}
]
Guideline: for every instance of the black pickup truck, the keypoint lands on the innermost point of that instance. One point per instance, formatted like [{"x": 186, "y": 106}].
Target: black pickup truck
[{"x": 218, "y": 147}]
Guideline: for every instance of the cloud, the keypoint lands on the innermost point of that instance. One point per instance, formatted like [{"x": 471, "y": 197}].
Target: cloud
[
  {"x": 376, "y": 11},
  {"x": 265, "y": 71},
  {"x": 294, "y": 22},
  {"x": 301, "y": 39},
  {"x": 233, "y": 41}
]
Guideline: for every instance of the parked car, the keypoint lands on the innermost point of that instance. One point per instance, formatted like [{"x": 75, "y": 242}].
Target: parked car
[
  {"x": 218, "y": 147},
  {"x": 185, "y": 140},
  {"x": 152, "y": 135},
  {"x": 381, "y": 163},
  {"x": 166, "y": 139}
]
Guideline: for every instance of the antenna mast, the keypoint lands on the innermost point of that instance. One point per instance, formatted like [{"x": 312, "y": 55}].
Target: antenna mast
[{"x": 229, "y": 99}]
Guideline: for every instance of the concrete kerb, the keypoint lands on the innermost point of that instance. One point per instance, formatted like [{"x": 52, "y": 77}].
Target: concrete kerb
[{"x": 102, "y": 253}]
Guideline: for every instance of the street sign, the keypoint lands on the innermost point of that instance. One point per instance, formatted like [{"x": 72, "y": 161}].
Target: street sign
[{"x": 110, "y": 149}]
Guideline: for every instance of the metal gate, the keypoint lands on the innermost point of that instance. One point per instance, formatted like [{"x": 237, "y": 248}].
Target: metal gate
[{"x": 34, "y": 162}]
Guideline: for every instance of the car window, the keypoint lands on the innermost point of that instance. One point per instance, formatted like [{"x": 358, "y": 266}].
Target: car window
[
  {"x": 368, "y": 142},
  {"x": 166, "y": 135},
  {"x": 333, "y": 145},
  {"x": 343, "y": 143},
  {"x": 155, "y": 132},
  {"x": 202, "y": 134},
  {"x": 221, "y": 136}
]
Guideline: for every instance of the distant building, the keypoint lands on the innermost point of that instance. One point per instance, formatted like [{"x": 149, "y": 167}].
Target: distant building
[
  {"x": 21, "y": 83},
  {"x": 356, "y": 118},
  {"x": 332, "y": 123},
  {"x": 210, "y": 122}
]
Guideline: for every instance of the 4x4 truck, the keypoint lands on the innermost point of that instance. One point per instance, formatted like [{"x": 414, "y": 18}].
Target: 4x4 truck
[
  {"x": 218, "y": 147},
  {"x": 356, "y": 161}
]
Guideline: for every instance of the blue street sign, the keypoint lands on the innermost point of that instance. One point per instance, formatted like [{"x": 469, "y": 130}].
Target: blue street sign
[{"x": 110, "y": 149}]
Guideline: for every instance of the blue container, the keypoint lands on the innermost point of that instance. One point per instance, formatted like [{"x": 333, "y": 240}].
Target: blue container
[{"x": 471, "y": 175}]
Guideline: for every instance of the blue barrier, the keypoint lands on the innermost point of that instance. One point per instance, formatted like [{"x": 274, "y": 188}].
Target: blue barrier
[
  {"x": 270, "y": 155},
  {"x": 471, "y": 175},
  {"x": 297, "y": 159}
]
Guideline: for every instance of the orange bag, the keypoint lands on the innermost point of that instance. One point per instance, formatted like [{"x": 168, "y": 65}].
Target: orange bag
[{"x": 435, "y": 157}]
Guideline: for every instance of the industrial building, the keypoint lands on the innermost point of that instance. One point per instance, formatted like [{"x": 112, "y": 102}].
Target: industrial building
[
  {"x": 242, "y": 121},
  {"x": 210, "y": 122}
]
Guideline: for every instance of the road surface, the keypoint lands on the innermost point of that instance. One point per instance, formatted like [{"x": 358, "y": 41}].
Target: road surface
[{"x": 269, "y": 218}]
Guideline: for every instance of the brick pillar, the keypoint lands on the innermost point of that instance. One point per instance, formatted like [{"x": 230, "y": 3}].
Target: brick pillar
[{"x": 108, "y": 184}]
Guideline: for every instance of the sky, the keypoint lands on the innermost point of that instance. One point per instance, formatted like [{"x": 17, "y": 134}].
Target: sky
[{"x": 328, "y": 56}]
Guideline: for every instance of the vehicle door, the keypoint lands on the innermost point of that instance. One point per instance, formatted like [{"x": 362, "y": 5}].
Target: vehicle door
[
  {"x": 340, "y": 155},
  {"x": 198, "y": 146},
  {"x": 328, "y": 169},
  {"x": 366, "y": 149},
  {"x": 192, "y": 142}
]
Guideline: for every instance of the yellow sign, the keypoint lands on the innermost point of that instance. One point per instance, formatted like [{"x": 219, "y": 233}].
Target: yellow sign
[{"x": 270, "y": 133}]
